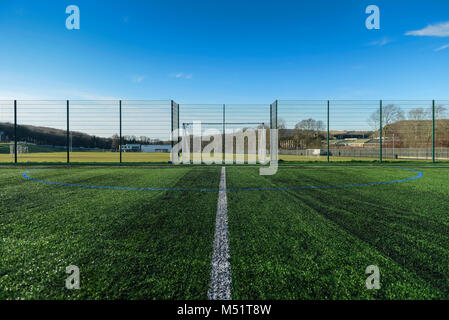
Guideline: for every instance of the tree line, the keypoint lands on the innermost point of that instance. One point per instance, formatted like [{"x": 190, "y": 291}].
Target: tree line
[
  {"x": 407, "y": 129},
  {"x": 57, "y": 137}
]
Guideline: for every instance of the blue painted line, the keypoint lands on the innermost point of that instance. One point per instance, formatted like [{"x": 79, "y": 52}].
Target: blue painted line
[{"x": 25, "y": 175}]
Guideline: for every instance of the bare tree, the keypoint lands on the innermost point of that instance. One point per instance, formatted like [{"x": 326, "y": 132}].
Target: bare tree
[
  {"x": 281, "y": 124},
  {"x": 144, "y": 140},
  {"x": 390, "y": 114},
  {"x": 115, "y": 142},
  {"x": 320, "y": 125},
  {"x": 417, "y": 114},
  {"x": 310, "y": 125},
  {"x": 440, "y": 112}
]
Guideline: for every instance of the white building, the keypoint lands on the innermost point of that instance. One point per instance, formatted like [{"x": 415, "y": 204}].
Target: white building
[
  {"x": 156, "y": 148},
  {"x": 131, "y": 147}
]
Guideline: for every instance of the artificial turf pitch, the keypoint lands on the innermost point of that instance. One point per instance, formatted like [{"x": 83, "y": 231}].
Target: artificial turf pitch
[{"x": 284, "y": 244}]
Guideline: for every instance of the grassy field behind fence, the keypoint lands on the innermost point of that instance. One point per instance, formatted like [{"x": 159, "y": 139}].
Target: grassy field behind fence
[
  {"x": 156, "y": 157},
  {"x": 284, "y": 244},
  {"x": 44, "y": 154}
]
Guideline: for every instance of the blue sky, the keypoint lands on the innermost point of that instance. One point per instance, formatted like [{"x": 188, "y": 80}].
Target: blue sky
[{"x": 224, "y": 51}]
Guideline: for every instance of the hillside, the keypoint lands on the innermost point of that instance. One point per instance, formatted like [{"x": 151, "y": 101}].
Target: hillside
[
  {"x": 418, "y": 133},
  {"x": 53, "y": 137}
]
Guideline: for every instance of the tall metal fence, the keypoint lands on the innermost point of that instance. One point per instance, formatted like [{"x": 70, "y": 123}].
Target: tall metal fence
[
  {"x": 364, "y": 130},
  {"x": 142, "y": 131}
]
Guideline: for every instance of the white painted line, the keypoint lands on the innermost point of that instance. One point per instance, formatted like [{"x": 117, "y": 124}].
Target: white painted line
[{"x": 220, "y": 276}]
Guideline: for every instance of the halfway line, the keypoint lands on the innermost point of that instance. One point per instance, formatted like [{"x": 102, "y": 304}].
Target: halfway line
[{"x": 220, "y": 276}]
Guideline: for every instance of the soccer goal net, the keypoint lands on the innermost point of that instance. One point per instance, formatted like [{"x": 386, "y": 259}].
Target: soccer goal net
[
  {"x": 21, "y": 149},
  {"x": 230, "y": 142}
]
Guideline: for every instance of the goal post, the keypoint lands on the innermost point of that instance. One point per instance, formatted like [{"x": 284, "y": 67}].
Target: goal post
[
  {"x": 21, "y": 149},
  {"x": 174, "y": 134},
  {"x": 274, "y": 132}
]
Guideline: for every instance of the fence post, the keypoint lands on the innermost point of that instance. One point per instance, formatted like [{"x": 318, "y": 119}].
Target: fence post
[
  {"x": 380, "y": 131},
  {"x": 68, "y": 132},
  {"x": 224, "y": 132},
  {"x": 328, "y": 132},
  {"x": 172, "y": 127},
  {"x": 15, "y": 131},
  {"x": 120, "y": 138},
  {"x": 433, "y": 131}
]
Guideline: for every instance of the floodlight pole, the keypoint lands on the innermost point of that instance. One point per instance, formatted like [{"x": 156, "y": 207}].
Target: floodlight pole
[
  {"x": 380, "y": 131},
  {"x": 328, "y": 132},
  {"x": 15, "y": 131},
  {"x": 68, "y": 131},
  {"x": 433, "y": 131},
  {"x": 120, "y": 138}
]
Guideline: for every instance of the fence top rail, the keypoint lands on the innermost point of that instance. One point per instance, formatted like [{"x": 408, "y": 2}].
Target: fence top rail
[
  {"x": 293, "y": 101},
  {"x": 186, "y": 123},
  {"x": 287, "y": 101},
  {"x": 87, "y": 100}
]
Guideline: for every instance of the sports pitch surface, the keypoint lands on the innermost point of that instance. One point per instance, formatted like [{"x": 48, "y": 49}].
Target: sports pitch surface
[
  {"x": 285, "y": 243},
  {"x": 138, "y": 157}
]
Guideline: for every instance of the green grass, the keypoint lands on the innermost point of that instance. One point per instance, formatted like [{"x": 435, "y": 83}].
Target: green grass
[
  {"x": 127, "y": 244},
  {"x": 285, "y": 244},
  {"x": 87, "y": 157},
  {"x": 44, "y": 155},
  {"x": 316, "y": 244}
]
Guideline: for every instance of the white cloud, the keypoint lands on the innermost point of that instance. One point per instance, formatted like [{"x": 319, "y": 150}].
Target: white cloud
[
  {"x": 181, "y": 75},
  {"x": 435, "y": 30},
  {"x": 138, "y": 78},
  {"x": 381, "y": 42},
  {"x": 442, "y": 47}
]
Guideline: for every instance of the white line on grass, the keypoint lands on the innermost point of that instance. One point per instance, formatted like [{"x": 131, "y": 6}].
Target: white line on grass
[{"x": 220, "y": 276}]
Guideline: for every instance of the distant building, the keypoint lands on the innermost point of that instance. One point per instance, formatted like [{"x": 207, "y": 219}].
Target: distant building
[
  {"x": 131, "y": 148},
  {"x": 156, "y": 148},
  {"x": 351, "y": 134},
  {"x": 134, "y": 147},
  {"x": 315, "y": 152}
]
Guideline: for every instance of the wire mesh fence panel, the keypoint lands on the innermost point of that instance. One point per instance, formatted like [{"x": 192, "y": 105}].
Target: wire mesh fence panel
[
  {"x": 302, "y": 129},
  {"x": 94, "y": 131},
  {"x": 204, "y": 113},
  {"x": 174, "y": 123},
  {"x": 233, "y": 132},
  {"x": 407, "y": 130},
  {"x": 41, "y": 131},
  {"x": 441, "y": 130},
  {"x": 354, "y": 130},
  {"x": 249, "y": 124},
  {"x": 411, "y": 130},
  {"x": 201, "y": 122},
  {"x": 146, "y": 131},
  {"x": 6, "y": 131}
]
